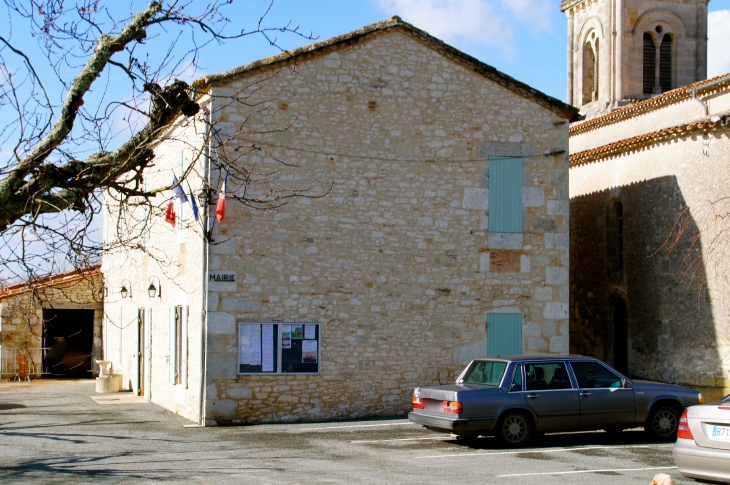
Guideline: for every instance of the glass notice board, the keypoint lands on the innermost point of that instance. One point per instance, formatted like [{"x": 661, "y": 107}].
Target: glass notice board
[{"x": 279, "y": 348}]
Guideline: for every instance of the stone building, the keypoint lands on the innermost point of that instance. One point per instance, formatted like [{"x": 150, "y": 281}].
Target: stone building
[
  {"x": 53, "y": 325},
  {"x": 624, "y": 51},
  {"x": 437, "y": 232},
  {"x": 647, "y": 187}
]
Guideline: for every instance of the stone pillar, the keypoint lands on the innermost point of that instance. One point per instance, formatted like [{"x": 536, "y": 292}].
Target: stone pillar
[
  {"x": 571, "y": 88},
  {"x": 701, "y": 68},
  {"x": 618, "y": 54}
]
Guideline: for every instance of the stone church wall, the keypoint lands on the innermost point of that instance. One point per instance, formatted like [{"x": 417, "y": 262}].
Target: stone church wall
[{"x": 674, "y": 280}]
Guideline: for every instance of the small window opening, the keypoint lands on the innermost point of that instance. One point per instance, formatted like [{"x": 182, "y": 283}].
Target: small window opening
[
  {"x": 620, "y": 235},
  {"x": 590, "y": 72},
  {"x": 649, "y": 63},
  {"x": 665, "y": 64}
]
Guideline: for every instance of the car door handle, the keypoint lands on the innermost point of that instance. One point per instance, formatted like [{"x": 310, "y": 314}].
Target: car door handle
[
  {"x": 533, "y": 396},
  {"x": 585, "y": 394}
]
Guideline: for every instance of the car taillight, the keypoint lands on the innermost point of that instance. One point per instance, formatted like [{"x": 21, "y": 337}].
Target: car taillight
[
  {"x": 683, "y": 430},
  {"x": 418, "y": 404},
  {"x": 453, "y": 407},
  {"x": 700, "y": 398}
]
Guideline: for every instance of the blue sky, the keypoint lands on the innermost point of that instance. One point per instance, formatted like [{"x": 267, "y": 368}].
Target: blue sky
[{"x": 523, "y": 38}]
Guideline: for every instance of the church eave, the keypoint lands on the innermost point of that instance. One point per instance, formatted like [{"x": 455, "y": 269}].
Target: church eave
[{"x": 704, "y": 125}]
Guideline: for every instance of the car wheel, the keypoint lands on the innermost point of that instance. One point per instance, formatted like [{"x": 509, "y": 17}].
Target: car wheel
[
  {"x": 514, "y": 429},
  {"x": 662, "y": 423}
]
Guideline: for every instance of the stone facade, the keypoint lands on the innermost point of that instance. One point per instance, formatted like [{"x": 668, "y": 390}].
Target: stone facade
[
  {"x": 667, "y": 167},
  {"x": 606, "y": 47},
  {"x": 143, "y": 250},
  {"x": 21, "y": 315},
  {"x": 394, "y": 261}
]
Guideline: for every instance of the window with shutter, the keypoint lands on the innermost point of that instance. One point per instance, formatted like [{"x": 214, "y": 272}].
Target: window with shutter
[
  {"x": 504, "y": 334},
  {"x": 649, "y": 63},
  {"x": 505, "y": 194},
  {"x": 665, "y": 63}
]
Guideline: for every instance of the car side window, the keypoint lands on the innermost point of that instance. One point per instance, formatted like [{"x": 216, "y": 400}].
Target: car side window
[
  {"x": 547, "y": 376},
  {"x": 516, "y": 385},
  {"x": 592, "y": 375}
]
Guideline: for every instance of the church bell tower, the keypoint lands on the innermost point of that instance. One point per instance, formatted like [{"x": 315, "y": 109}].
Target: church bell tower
[{"x": 624, "y": 51}]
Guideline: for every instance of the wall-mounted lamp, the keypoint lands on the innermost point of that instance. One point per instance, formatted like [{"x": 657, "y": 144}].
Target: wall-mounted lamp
[
  {"x": 152, "y": 290},
  {"x": 123, "y": 291},
  {"x": 103, "y": 292}
]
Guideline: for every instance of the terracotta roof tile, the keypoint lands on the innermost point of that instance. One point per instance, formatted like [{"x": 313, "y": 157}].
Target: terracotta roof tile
[
  {"x": 651, "y": 104},
  {"x": 52, "y": 280},
  {"x": 703, "y": 125}
]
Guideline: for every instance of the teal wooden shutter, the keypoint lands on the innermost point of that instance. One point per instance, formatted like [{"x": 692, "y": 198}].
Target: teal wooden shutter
[
  {"x": 505, "y": 194},
  {"x": 504, "y": 334},
  {"x": 173, "y": 344},
  {"x": 185, "y": 312}
]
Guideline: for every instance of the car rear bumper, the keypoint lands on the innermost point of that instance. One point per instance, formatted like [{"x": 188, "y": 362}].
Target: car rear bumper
[
  {"x": 448, "y": 424},
  {"x": 704, "y": 463}
]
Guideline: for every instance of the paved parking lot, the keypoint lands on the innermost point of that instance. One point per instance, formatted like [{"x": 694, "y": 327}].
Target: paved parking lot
[{"x": 53, "y": 432}]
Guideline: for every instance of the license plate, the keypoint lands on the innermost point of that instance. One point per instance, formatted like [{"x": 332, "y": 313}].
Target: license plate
[{"x": 721, "y": 433}]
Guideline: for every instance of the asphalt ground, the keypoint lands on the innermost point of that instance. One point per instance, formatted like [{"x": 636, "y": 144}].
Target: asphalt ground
[{"x": 53, "y": 432}]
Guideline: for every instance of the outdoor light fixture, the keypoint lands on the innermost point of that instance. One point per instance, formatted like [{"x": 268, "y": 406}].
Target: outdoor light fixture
[
  {"x": 152, "y": 290},
  {"x": 103, "y": 292},
  {"x": 124, "y": 292}
]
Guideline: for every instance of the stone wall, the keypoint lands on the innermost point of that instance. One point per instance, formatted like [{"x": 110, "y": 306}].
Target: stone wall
[
  {"x": 21, "y": 314},
  {"x": 621, "y": 56},
  {"x": 143, "y": 249},
  {"x": 395, "y": 260},
  {"x": 674, "y": 281}
]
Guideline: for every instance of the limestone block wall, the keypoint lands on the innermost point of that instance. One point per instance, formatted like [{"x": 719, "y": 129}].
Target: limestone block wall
[
  {"x": 675, "y": 288},
  {"x": 143, "y": 249},
  {"x": 395, "y": 261},
  {"x": 21, "y": 314}
]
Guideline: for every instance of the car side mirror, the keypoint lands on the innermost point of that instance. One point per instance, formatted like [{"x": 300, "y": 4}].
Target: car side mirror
[{"x": 625, "y": 384}]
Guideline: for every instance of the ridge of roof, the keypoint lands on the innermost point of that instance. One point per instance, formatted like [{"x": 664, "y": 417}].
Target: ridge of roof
[
  {"x": 645, "y": 106},
  {"x": 553, "y": 104},
  {"x": 705, "y": 124},
  {"x": 52, "y": 280}
]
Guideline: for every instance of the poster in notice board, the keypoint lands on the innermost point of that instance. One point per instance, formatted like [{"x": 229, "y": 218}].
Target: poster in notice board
[
  {"x": 303, "y": 356},
  {"x": 257, "y": 349}
]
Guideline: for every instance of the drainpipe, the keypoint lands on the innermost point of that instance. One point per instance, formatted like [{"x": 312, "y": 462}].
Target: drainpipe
[
  {"x": 705, "y": 108},
  {"x": 204, "y": 266}
]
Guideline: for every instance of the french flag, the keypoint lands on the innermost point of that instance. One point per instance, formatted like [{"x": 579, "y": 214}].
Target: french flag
[
  {"x": 220, "y": 210},
  {"x": 170, "y": 214}
]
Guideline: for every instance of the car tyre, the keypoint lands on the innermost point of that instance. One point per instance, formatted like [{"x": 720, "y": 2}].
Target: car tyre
[
  {"x": 663, "y": 423},
  {"x": 514, "y": 429}
]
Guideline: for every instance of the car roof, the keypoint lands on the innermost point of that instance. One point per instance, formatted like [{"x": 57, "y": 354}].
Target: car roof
[{"x": 525, "y": 358}]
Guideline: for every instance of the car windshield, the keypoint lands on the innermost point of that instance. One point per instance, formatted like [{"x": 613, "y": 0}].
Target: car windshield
[
  {"x": 485, "y": 373},
  {"x": 726, "y": 398}
]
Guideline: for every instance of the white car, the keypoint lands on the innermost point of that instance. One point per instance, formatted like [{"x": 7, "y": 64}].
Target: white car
[{"x": 703, "y": 442}]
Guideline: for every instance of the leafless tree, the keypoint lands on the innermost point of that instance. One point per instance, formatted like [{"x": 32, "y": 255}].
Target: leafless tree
[{"x": 81, "y": 112}]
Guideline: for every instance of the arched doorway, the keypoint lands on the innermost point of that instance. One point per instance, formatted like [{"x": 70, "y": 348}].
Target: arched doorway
[{"x": 620, "y": 322}]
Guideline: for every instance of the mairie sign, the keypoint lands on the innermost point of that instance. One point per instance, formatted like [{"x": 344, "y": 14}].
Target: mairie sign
[{"x": 222, "y": 276}]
